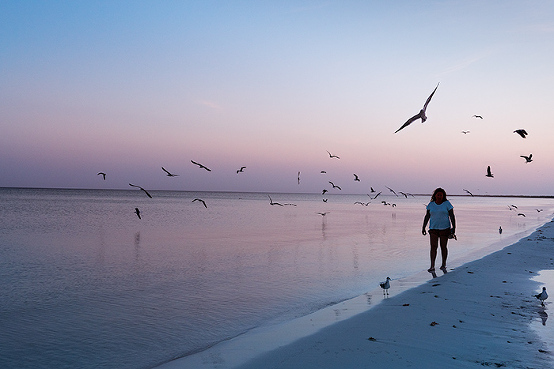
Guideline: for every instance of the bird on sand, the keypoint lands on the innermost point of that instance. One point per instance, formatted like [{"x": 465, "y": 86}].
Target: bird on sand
[
  {"x": 102, "y": 174},
  {"x": 468, "y": 192},
  {"x": 335, "y": 186},
  {"x": 241, "y": 170},
  {"x": 202, "y": 201},
  {"x": 521, "y": 132},
  {"x": 489, "y": 174},
  {"x": 142, "y": 189},
  {"x": 542, "y": 296},
  {"x": 273, "y": 203},
  {"x": 332, "y": 156},
  {"x": 478, "y": 116},
  {"x": 356, "y": 178},
  {"x": 168, "y": 173},
  {"x": 201, "y": 166},
  {"x": 421, "y": 115},
  {"x": 137, "y": 211},
  {"x": 528, "y": 159},
  {"x": 385, "y": 286}
]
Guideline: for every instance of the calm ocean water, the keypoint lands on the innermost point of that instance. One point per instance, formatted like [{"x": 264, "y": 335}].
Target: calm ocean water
[{"x": 84, "y": 283}]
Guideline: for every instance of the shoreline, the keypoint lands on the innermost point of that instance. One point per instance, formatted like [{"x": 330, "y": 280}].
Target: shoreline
[{"x": 479, "y": 329}]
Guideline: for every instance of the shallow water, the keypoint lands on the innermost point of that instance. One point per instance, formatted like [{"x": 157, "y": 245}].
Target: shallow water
[{"x": 87, "y": 284}]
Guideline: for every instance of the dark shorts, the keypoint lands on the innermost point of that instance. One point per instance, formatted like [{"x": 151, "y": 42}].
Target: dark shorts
[{"x": 440, "y": 232}]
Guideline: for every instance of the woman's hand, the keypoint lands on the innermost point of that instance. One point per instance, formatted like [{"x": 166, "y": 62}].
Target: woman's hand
[{"x": 423, "y": 232}]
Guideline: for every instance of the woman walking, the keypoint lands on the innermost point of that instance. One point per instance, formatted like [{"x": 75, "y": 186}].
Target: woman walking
[{"x": 442, "y": 226}]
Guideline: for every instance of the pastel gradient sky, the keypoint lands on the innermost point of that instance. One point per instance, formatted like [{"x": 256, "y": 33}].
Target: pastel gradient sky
[{"x": 127, "y": 87}]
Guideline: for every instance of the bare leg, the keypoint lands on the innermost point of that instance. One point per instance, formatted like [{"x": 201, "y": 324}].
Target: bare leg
[
  {"x": 444, "y": 250},
  {"x": 434, "y": 241}
]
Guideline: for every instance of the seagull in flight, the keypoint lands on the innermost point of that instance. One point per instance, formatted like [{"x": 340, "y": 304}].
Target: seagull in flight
[
  {"x": 521, "y": 132},
  {"x": 391, "y": 190},
  {"x": 371, "y": 189},
  {"x": 335, "y": 186},
  {"x": 241, "y": 170},
  {"x": 489, "y": 174},
  {"x": 298, "y": 177},
  {"x": 102, "y": 174},
  {"x": 142, "y": 189},
  {"x": 332, "y": 156},
  {"x": 542, "y": 296},
  {"x": 421, "y": 115},
  {"x": 528, "y": 159},
  {"x": 202, "y": 201},
  {"x": 323, "y": 192},
  {"x": 273, "y": 203},
  {"x": 465, "y": 132},
  {"x": 323, "y": 214},
  {"x": 201, "y": 166},
  {"x": 478, "y": 116},
  {"x": 373, "y": 198},
  {"x": 356, "y": 178},
  {"x": 137, "y": 211},
  {"x": 468, "y": 192},
  {"x": 168, "y": 173},
  {"x": 385, "y": 285}
]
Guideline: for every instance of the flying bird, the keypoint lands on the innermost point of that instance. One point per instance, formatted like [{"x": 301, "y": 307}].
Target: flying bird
[
  {"x": 356, "y": 178},
  {"x": 465, "y": 132},
  {"x": 335, "y": 186},
  {"x": 332, "y": 156},
  {"x": 521, "y": 132},
  {"x": 298, "y": 177},
  {"x": 137, "y": 211},
  {"x": 371, "y": 189},
  {"x": 325, "y": 200},
  {"x": 500, "y": 229},
  {"x": 241, "y": 170},
  {"x": 385, "y": 285},
  {"x": 421, "y": 115},
  {"x": 391, "y": 190},
  {"x": 323, "y": 214},
  {"x": 528, "y": 159},
  {"x": 323, "y": 172},
  {"x": 168, "y": 173},
  {"x": 521, "y": 214},
  {"x": 324, "y": 191},
  {"x": 542, "y": 296},
  {"x": 273, "y": 203},
  {"x": 142, "y": 189},
  {"x": 102, "y": 174},
  {"x": 373, "y": 198},
  {"x": 468, "y": 192},
  {"x": 202, "y": 201},
  {"x": 201, "y": 166},
  {"x": 478, "y": 116},
  {"x": 489, "y": 174}
]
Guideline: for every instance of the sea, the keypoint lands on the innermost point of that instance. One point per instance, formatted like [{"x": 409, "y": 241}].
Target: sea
[{"x": 85, "y": 283}]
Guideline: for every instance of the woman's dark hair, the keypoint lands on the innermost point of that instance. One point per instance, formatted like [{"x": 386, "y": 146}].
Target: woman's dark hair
[{"x": 439, "y": 190}]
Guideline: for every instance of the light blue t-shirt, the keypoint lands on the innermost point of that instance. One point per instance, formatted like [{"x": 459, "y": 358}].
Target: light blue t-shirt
[{"x": 439, "y": 215}]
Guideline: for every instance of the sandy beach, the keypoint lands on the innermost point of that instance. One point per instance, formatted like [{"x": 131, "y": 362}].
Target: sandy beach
[{"x": 477, "y": 315}]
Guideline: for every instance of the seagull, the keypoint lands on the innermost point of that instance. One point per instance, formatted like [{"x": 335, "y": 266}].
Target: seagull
[
  {"x": 478, "y": 116},
  {"x": 373, "y": 198},
  {"x": 241, "y": 170},
  {"x": 169, "y": 174},
  {"x": 542, "y": 296},
  {"x": 403, "y": 194},
  {"x": 137, "y": 211},
  {"x": 521, "y": 132},
  {"x": 323, "y": 172},
  {"x": 385, "y": 286},
  {"x": 334, "y": 186},
  {"x": 500, "y": 229},
  {"x": 371, "y": 189},
  {"x": 273, "y": 203},
  {"x": 521, "y": 214},
  {"x": 465, "y": 132},
  {"x": 200, "y": 165},
  {"x": 325, "y": 200},
  {"x": 356, "y": 178},
  {"x": 332, "y": 156},
  {"x": 391, "y": 190},
  {"x": 323, "y": 214},
  {"x": 468, "y": 192},
  {"x": 527, "y": 158},
  {"x": 146, "y": 192},
  {"x": 538, "y": 210},
  {"x": 202, "y": 201},
  {"x": 102, "y": 174},
  {"x": 298, "y": 177},
  {"x": 323, "y": 192},
  {"x": 489, "y": 174},
  {"x": 421, "y": 115}
]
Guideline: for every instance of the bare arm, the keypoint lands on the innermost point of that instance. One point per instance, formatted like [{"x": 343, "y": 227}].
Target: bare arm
[
  {"x": 452, "y": 220},
  {"x": 425, "y": 221}
]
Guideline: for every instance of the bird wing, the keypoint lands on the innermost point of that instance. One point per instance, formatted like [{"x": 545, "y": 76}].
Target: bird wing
[
  {"x": 429, "y": 98},
  {"x": 165, "y": 170},
  {"x": 146, "y": 192},
  {"x": 409, "y": 121}
]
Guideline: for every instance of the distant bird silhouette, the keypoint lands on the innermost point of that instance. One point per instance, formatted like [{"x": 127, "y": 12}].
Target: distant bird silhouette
[
  {"x": 478, "y": 116},
  {"x": 521, "y": 215},
  {"x": 323, "y": 172},
  {"x": 168, "y": 173},
  {"x": 273, "y": 203},
  {"x": 137, "y": 211},
  {"x": 298, "y": 177},
  {"x": 521, "y": 132},
  {"x": 500, "y": 229},
  {"x": 200, "y": 165},
  {"x": 385, "y": 285},
  {"x": 335, "y": 186},
  {"x": 332, "y": 156},
  {"x": 241, "y": 170},
  {"x": 538, "y": 210},
  {"x": 374, "y": 197},
  {"x": 542, "y": 296},
  {"x": 102, "y": 174},
  {"x": 421, "y": 115},
  {"x": 202, "y": 201},
  {"x": 323, "y": 214},
  {"x": 371, "y": 189},
  {"x": 356, "y": 178},
  {"x": 468, "y": 192},
  {"x": 465, "y": 132},
  {"x": 324, "y": 191},
  {"x": 391, "y": 190},
  {"x": 325, "y": 200},
  {"x": 142, "y": 189},
  {"x": 489, "y": 174},
  {"x": 528, "y": 159}
]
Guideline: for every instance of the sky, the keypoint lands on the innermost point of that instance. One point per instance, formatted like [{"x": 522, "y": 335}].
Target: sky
[{"x": 126, "y": 87}]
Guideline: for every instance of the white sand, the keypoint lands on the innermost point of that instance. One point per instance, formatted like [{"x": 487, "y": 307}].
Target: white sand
[{"x": 478, "y": 315}]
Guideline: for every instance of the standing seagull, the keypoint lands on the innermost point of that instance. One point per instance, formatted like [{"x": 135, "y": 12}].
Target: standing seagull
[
  {"x": 385, "y": 286},
  {"x": 332, "y": 156},
  {"x": 102, "y": 174},
  {"x": 146, "y": 192},
  {"x": 201, "y": 166},
  {"x": 202, "y": 201},
  {"x": 542, "y": 296},
  {"x": 137, "y": 211},
  {"x": 527, "y": 158},
  {"x": 489, "y": 174},
  {"x": 421, "y": 115},
  {"x": 521, "y": 132},
  {"x": 169, "y": 174}
]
